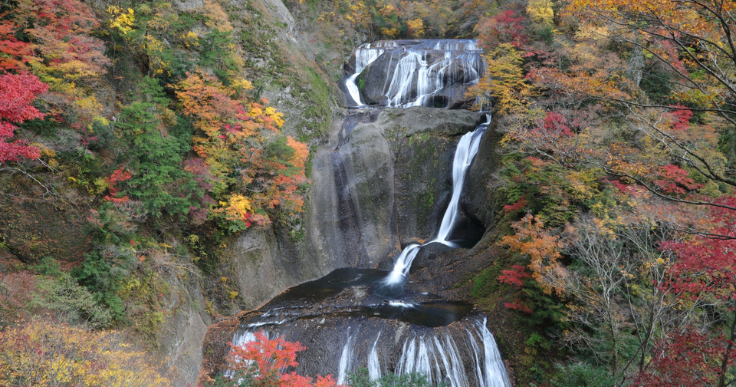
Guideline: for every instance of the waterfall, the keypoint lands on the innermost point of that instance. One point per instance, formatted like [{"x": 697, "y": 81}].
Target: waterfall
[
  {"x": 419, "y": 73},
  {"x": 364, "y": 55},
  {"x": 458, "y": 355},
  {"x": 345, "y": 319},
  {"x": 464, "y": 154},
  {"x": 439, "y": 358},
  {"x": 495, "y": 372},
  {"x": 403, "y": 264},
  {"x": 466, "y": 151}
]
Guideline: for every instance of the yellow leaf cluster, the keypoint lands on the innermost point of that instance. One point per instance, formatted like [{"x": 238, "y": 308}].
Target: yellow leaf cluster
[
  {"x": 390, "y": 32},
  {"x": 416, "y": 27},
  {"x": 122, "y": 20},
  {"x": 540, "y": 11},
  {"x": 241, "y": 85},
  {"x": 155, "y": 49},
  {"x": 238, "y": 207},
  {"x": 191, "y": 39},
  {"x": 504, "y": 81}
]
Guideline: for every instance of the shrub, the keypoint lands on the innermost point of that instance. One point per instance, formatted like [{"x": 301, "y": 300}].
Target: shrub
[
  {"x": 263, "y": 362},
  {"x": 70, "y": 302},
  {"x": 360, "y": 378},
  {"x": 42, "y": 353}
]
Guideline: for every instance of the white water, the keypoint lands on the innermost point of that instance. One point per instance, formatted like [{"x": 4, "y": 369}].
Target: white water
[
  {"x": 402, "y": 304},
  {"x": 403, "y": 264},
  {"x": 346, "y": 360},
  {"x": 374, "y": 365},
  {"x": 466, "y": 150},
  {"x": 414, "y": 81},
  {"x": 495, "y": 371},
  {"x": 438, "y": 357},
  {"x": 364, "y": 55}
]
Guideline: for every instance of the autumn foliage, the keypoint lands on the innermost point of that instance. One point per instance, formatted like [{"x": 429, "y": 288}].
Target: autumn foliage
[
  {"x": 264, "y": 362},
  {"x": 542, "y": 248},
  {"x": 617, "y": 122},
  {"x": 17, "y": 92},
  {"x": 239, "y": 137},
  {"x": 43, "y": 353}
]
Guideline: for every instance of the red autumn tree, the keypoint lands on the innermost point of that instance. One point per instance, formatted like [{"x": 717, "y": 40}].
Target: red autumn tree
[
  {"x": 265, "y": 362},
  {"x": 690, "y": 358},
  {"x": 16, "y": 94},
  {"x": 63, "y": 53},
  {"x": 116, "y": 177},
  {"x": 704, "y": 270},
  {"x": 12, "y": 51},
  {"x": 505, "y": 27}
]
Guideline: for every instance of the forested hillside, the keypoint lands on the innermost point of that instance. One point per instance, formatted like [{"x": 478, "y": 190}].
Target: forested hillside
[
  {"x": 139, "y": 140},
  {"x": 617, "y": 181}
]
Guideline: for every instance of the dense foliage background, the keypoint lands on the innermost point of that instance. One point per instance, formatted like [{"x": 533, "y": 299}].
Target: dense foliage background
[{"x": 146, "y": 125}]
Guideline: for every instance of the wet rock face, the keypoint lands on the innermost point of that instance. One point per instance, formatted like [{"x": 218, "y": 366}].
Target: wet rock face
[
  {"x": 406, "y": 73},
  {"x": 479, "y": 199},
  {"x": 383, "y": 181}
]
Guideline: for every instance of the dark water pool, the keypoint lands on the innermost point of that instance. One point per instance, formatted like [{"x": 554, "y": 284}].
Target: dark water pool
[{"x": 416, "y": 309}]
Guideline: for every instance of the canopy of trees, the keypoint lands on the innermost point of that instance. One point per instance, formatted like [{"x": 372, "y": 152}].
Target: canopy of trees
[{"x": 618, "y": 182}]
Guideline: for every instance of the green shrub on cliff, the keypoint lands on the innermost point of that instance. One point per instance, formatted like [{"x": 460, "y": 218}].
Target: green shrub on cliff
[{"x": 360, "y": 378}]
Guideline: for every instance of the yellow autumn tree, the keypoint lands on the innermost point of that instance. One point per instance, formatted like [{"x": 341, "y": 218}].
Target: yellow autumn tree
[
  {"x": 504, "y": 81},
  {"x": 415, "y": 27},
  {"x": 241, "y": 143},
  {"x": 43, "y": 353}
]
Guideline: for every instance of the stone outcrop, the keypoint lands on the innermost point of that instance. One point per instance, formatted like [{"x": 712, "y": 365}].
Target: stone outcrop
[{"x": 382, "y": 184}]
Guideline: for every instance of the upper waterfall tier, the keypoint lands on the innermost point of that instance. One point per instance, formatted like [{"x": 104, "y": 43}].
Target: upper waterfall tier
[{"x": 405, "y": 73}]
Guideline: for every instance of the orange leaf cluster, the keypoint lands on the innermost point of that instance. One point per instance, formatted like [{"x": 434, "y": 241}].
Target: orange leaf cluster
[
  {"x": 236, "y": 136},
  {"x": 542, "y": 248}
]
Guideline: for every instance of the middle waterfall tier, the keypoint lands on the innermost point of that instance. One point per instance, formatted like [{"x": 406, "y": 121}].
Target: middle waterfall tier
[
  {"x": 467, "y": 147},
  {"x": 405, "y": 73}
]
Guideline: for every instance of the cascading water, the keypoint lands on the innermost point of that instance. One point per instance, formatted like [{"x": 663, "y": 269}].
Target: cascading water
[
  {"x": 417, "y": 73},
  {"x": 355, "y": 318},
  {"x": 374, "y": 364},
  {"x": 346, "y": 358},
  {"x": 364, "y": 55},
  {"x": 466, "y": 150},
  {"x": 461, "y": 354}
]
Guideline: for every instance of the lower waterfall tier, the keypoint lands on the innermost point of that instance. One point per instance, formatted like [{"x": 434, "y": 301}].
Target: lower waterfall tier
[{"x": 345, "y": 327}]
